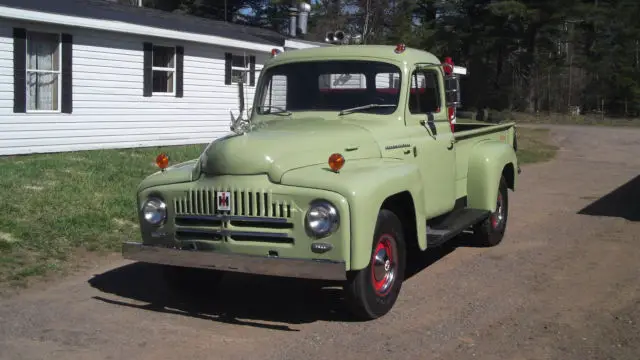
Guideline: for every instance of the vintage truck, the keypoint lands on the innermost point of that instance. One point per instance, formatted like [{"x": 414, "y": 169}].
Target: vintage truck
[{"x": 349, "y": 161}]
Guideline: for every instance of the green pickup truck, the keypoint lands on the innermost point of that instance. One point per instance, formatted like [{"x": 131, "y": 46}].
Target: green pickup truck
[{"x": 349, "y": 161}]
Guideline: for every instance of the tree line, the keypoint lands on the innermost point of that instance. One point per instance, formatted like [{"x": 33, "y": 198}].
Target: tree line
[{"x": 534, "y": 56}]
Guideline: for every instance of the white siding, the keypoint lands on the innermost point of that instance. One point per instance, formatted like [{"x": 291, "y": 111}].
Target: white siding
[{"x": 109, "y": 110}]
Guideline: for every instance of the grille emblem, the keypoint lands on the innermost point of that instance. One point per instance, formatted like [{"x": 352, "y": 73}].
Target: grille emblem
[{"x": 223, "y": 200}]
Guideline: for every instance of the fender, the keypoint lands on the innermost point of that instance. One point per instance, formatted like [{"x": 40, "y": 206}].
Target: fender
[
  {"x": 365, "y": 184},
  {"x": 179, "y": 173},
  {"x": 486, "y": 163}
]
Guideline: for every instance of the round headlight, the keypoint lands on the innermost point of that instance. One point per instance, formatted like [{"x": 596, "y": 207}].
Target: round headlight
[
  {"x": 322, "y": 219},
  {"x": 154, "y": 211}
]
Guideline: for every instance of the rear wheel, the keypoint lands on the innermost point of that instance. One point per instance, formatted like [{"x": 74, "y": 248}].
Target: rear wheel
[
  {"x": 372, "y": 291},
  {"x": 491, "y": 231}
]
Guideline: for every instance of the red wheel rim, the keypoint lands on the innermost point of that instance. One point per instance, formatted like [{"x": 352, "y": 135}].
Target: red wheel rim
[
  {"x": 383, "y": 265},
  {"x": 498, "y": 216}
]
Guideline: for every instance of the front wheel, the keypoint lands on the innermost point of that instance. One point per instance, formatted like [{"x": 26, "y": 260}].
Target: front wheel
[
  {"x": 372, "y": 291},
  {"x": 491, "y": 231}
]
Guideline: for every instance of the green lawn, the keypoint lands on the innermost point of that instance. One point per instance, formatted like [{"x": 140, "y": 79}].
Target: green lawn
[
  {"x": 54, "y": 205},
  {"x": 534, "y": 145},
  {"x": 58, "y": 207}
]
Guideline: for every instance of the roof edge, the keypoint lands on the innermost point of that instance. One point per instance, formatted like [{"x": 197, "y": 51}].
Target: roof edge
[
  {"x": 127, "y": 28},
  {"x": 303, "y": 44}
]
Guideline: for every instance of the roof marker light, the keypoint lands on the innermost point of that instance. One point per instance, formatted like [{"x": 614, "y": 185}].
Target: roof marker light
[
  {"x": 448, "y": 65},
  {"x": 275, "y": 52},
  {"x": 400, "y": 48}
]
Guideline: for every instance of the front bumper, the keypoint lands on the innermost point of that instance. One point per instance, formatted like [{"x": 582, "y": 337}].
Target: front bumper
[{"x": 252, "y": 264}]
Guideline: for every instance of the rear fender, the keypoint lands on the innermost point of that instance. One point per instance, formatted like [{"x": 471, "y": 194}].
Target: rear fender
[
  {"x": 487, "y": 163},
  {"x": 366, "y": 184}
]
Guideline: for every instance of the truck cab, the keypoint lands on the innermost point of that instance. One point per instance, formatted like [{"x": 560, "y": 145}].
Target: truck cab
[{"x": 350, "y": 161}]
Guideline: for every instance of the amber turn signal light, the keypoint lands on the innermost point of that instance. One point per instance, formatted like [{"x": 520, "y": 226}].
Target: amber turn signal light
[
  {"x": 162, "y": 161},
  {"x": 336, "y": 161}
]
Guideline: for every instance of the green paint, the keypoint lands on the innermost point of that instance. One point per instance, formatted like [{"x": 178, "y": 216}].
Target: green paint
[{"x": 386, "y": 154}]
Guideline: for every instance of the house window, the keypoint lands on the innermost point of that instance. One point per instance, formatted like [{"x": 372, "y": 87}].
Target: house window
[
  {"x": 43, "y": 71},
  {"x": 240, "y": 68},
  {"x": 164, "y": 69}
]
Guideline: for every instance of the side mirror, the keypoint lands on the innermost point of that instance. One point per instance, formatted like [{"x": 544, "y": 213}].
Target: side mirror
[
  {"x": 241, "y": 96},
  {"x": 237, "y": 122},
  {"x": 452, "y": 91}
]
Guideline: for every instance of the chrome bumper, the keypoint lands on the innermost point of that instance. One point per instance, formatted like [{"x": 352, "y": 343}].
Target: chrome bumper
[{"x": 262, "y": 265}]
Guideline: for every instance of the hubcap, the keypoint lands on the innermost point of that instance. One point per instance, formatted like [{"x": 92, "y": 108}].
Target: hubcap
[
  {"x": 383, "y": 267},
  {"x": 498, "y": 216}
]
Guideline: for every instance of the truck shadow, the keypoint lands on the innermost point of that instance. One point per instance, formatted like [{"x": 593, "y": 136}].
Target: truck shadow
[
  {"x": 242, "y": 299},
  {"x": 623, "y": 202}
]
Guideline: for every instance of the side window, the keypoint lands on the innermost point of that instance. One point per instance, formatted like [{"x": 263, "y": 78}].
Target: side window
[
  {"x": 275, "y": 96},
  {"x": 425, "y": 92}
]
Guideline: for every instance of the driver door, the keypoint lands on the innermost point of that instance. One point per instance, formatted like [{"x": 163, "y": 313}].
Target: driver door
[{"x": 434, "y": 141}]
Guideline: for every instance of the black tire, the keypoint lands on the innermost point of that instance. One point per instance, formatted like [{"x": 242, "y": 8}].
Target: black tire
[
  {"x": 366, "y": 297},
  {"x": 491, "y": 231},
  {"x": 189, "y": 281}
]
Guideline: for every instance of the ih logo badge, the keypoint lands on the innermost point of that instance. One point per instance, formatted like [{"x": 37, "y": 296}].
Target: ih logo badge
[{"x": 223, "y": 200}]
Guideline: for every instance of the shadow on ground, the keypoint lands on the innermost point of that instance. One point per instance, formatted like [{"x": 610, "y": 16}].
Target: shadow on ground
[
  {"x": 623, "y": 202},
  {"x": 243, "y": 299}
]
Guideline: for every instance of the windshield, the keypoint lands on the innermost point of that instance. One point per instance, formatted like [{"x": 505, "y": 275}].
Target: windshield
[{"x": 371, "y": 86}]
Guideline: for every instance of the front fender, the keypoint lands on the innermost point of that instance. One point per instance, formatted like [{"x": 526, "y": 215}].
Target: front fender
[
  {"x": 487, "y": 162},
  {"x": 178, "y": 173},
  {"x": 365, "y": 184}
]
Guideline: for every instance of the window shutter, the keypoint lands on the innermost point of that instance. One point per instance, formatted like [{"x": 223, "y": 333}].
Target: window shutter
[
  {"x": 19, "y": 70},
  {"x": 67, "y": 74},
  {"x": 148, "y": 72},
  {"x": 227, "y": 68},
  {"x": 179, "y": 71},
  {"x": 252, "y": 73}
]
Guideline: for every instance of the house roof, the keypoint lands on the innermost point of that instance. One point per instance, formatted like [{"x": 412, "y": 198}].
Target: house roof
[{"x": 107, "y": 15}]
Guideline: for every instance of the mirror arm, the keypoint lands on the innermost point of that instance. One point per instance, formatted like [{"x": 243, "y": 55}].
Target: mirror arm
[{"x": 430, "y": 125}]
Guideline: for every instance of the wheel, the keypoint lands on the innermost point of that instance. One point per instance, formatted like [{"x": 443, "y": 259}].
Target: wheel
[
  {"x": 187, "y": 281},
  {"x": 491, "y": 231},
  {"x": 372, "y": 291}
]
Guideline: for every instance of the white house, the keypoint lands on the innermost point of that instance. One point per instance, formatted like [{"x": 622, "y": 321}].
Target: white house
[{"x": 92, "y": 74}]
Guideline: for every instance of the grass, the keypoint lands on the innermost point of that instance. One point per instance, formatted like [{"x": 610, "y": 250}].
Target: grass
[
  {"x": 59, "y": 209},
  {"x": 534, "y": 145},
  {"x": 56, "y": 206}
]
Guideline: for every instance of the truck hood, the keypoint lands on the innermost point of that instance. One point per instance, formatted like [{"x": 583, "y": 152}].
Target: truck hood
[{"x": 284, "y": 145}]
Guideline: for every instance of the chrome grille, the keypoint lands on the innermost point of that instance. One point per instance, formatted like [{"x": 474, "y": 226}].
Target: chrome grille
[{"x": 244, "y": 202}]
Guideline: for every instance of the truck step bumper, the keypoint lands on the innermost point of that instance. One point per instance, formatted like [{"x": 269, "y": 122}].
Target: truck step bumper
[{"x": 251, "y": 264}]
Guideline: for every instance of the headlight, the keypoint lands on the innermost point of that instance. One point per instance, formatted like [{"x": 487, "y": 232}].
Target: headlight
[
  {"x": 322, "y": 219},
  {"x": 154, "y": 211}
]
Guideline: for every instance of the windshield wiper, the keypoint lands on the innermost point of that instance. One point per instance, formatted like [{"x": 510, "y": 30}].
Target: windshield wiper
[
  {"x": 281, "y": 112},
  {"x": 363, "y": 107}
]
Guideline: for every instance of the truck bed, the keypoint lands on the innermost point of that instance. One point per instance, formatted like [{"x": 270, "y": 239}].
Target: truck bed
[{"x": 471, "y": 129}]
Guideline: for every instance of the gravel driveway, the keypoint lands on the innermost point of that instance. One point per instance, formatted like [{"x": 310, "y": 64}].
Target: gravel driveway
[{"x": 564, "y": 284}]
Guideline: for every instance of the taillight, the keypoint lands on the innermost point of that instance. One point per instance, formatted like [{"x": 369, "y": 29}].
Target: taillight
[{"x": 452, "y": 117}]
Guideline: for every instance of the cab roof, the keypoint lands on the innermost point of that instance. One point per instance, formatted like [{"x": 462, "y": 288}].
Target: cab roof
[{"x": 380, "y": 52}]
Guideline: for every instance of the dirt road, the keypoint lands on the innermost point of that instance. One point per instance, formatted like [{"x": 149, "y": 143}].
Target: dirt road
[{"x": 564, "y": 284}]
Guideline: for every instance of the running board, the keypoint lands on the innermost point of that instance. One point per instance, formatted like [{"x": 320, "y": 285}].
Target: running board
[{"x": 453, "y": 225}]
